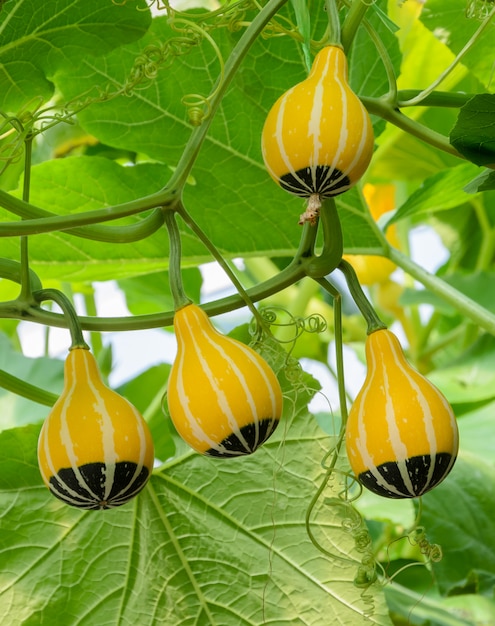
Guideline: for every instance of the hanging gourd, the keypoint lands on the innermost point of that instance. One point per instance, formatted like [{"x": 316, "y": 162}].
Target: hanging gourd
[
  {"x": 317, "y": 140},
  {"x": 95, "y": 450},
  {"x": 402, "y": 437},
  {"x": 223, "y": 398}
]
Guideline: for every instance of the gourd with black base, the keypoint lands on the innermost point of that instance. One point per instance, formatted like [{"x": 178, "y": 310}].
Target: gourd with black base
[
  {"x": 402, "y": 437},
  {"x": 317, "y": 140},
  {"x": 223, "y": 398},
  {"x": 95, "y": 450}
]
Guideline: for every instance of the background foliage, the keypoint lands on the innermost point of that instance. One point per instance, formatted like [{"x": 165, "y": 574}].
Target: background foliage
[{"x": 226, "y": 543}]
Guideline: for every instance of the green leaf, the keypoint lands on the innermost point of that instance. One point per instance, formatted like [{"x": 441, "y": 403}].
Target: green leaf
[
  {"x": 468, "y": 562},
  {"x": 474, "y": 132},
  {"x": 151, "y": 293},
  {"x": 483, "y": 182},
  {"x": 207, "y": 542},
  {"x": 42, "y": 372},
  {"x": 471, "y": 377},
  {"x": 476, "y": 433},
  {"x": 439, "y": 192},
  {"x": 449, "y": 21},
  {"x": 40, "y": 39},
  {"x": 18, "y": 462},
  {"x": 147, "y": 394}
]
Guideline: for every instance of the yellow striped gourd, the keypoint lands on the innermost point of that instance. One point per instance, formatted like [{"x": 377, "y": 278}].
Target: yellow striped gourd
[
  {"x": 223, "y": 398},
  {"x": 95, "y": 450},
  {"x": 318, "y": 137},
  {"x": 401, "y": 436}
]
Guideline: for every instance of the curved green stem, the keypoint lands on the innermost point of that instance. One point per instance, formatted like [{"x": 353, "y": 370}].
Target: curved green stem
[
  {"x": 26, "y": 390},
  {"x": 12, "y": 270},
  {"x": 335, "y": 451},
  {"x": 362, "y": 302},
  {"x": 467, "y": 307},
  {"x": 53, "y": 222},
  {"x": 288, "y": 276},
  {"x": 331, "y": 254},
  {"x": 434, "y": 99},
  {"x": 394, "y": 116},
  {"x": 69, "y": 314},
  {"x": 25, "y": 276},
  {"x": 391, "y": 96},
  {"x": 339, "y": 351},
  {"x": 205, "y": 240},
  {"x": 334, "y": 37},
  {"x": 352, "y": 21},
  {"x": 176, "y": 286}
]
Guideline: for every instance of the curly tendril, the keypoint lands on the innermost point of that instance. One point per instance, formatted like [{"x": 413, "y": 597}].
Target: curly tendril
[{"x": 478, "y": 9}]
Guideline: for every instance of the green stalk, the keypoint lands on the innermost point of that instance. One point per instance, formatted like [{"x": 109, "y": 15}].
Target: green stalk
[
  {"x": 352, "y": 21},
  {"x": 288, "y": 276},
  {"x": 368, "y": 312},
  {"x": 25, "y": 275},
  {"x": 69, "y": 313},
  {"x": 26, "y": 390},
  {"x": 382, "y": 108},
  {"x": 91, "y": 310},
  {"x": 221, "y": 261},
  {"x": 434, "y": 99},
  {"x": 335, "y": 451},
  {"x": 69, "y": 222},
  {"x": 334, "y": 35},
  {"x": 331, "y": 254},
  {"x": 464, "y": 305},
  {"x": 175, "y": 277}
]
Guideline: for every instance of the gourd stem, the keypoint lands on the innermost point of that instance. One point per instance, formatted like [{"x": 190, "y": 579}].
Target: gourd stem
[
  {"x": 362, "y": 302},
  {"x": 26, "y": 288},
  {"x": 69, "y": 313},
  {"x": 352, "y": 21},
  {"x": 333, "y": 23},
  {"x": 205, "y": 240},
  {"x": 26, "y": 390},
  {"x": 175, "y": 277},
  {"x": 331, "y": 254},
  {"x": 339, "y": 351}
]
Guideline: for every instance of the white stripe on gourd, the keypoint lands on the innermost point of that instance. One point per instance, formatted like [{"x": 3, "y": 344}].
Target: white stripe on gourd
[
  {"x": 219, "y": 389},
  {"x": 398, "y": 417}
]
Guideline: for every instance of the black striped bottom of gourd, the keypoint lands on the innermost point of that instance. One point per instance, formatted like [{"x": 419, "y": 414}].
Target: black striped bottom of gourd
[
  {"x": 323, "y": 180},
  {"x": 252, "y": 437},
  {"x": 87, "y": 488},
  {"x": 387, "y": 479}
]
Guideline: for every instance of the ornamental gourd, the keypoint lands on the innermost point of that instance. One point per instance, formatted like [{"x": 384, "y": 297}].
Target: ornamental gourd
[
  {"x": 223, "y": 398},
  {"x": 401, "y": 436},
  {"x": 95, "y": 450},
  {"x": 318, "y": 137}
]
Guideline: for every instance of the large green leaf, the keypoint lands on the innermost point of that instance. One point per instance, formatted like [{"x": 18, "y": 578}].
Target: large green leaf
[
  {"x": 468, "y": 562},
  {"x": 40, "y": 39},
  {"x": 439, "y": 192},
  {"x": 208, "y": 542},
  {"x": 474, "y": 132},
  {"x": 42, "y": 372}
]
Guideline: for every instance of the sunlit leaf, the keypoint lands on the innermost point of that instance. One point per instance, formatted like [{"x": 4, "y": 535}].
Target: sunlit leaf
[{"x": 208, "y": 541}]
